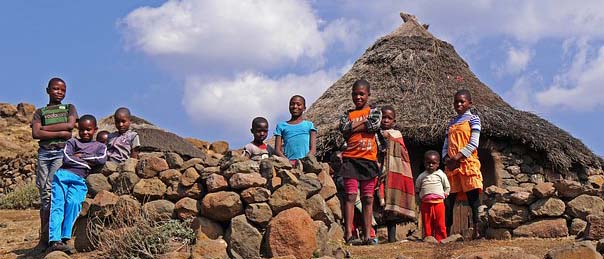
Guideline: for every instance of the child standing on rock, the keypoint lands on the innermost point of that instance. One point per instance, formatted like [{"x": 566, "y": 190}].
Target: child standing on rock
[
  {"x": 52, "y": 126},
  {"x": 433, "y": 187},
  {"x": 359, "y": 165},
  {"x": 460, "y": 152},
  {"x": 296, "y": 138},
  {"x": 257, "y": 149},
  {"x": 68, "y": 184},
  {"x": 123, "y": 143}
]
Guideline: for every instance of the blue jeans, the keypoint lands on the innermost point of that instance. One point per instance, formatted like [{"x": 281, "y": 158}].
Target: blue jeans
[
  {"x": 48, "y": 162},
  {"x": 68, "y": 193}
]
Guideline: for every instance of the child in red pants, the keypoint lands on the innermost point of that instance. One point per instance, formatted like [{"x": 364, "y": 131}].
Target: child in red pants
[{"x": 433, "y": 188}]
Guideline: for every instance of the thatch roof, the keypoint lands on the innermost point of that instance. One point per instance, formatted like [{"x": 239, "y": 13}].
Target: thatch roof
[
  {"x": 157, "y": 140},
  {"x": 418, "y": 74}
]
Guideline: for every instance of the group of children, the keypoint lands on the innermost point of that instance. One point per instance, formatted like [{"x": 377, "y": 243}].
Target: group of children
[
  {"x": 64, "y": 162},
  {"x": 374, "y": 159}
]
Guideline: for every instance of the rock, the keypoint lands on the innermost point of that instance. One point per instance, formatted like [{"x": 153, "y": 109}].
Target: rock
[
  {"x": 286, "y": 197},
  {"x": 584, "y": 205},
  {"x": 569, "y": 189},
  {"x": 498, "y": 193},
  {"x": 26, "y": 110},
  {"x": 498, "y": 233},
  {"x": 431, "y": 240},
  {"x": 175, "y": 255},
  {"x": 334, "y": 205},
  {"x": 244, "y": 239},
  {"x": 102, "y": 204},
  {"x": 186, "y": 208},
  {"x": 97, "y": 183},
  {"x": 127, "y": 205},
  {"x": 596, "y": 181},
  {"x": 318, "y": 210},
  {"x": 537, "y": 178},
  {"x": 159, "y": 210},
  {"x": 281, "y": 163},
  {"x": 84, "y": 239},
  {"x": 546, "y": 228},
  {"x": 309, "y": 185},
  {"x": 544, "y": 190},
  {"x": 259, "y": 213},
  {"x": 595, "y": 227},
  {"x": 328, "y": 187},
  {"x": 321, "y": 237},
  {"x": 220, "y": 147},
  {"x": 191, "y": 163},
  {"x": 255, "y": 194},
  {"x": 221, "y": 206},
  {"x": 276, "y": 183},
  {"x": 523, "y": 178},
  {"x": 577, "y": 227},
  {"x": 169, "y": 176},
  {"x": 311, "y": 165},
  {"x": 580, "y": 250},
  {"x": 207, "y": 227},
  {"x": 527, "y": 186},
  {"x": 210, "y": 161},
  {"x": 287, "y": 177},
  {"x": 244, "y": 167},
  {"x": 452, "y": 238},
  {"x": 335, "y": 233},
  {"x": 600, "y": 246},
  {"x": 85, "y": 207},
  {"x": 548, "y": 207},
  {"x": 499, "y": 253},
  {"x": 513, "y": 169},
  {"x": 109, "y": 168},
  {"x": 124, "y": 183},
  {"x": 56, "y": 255},
  {"x": 522, "y": 198},
  {"x": 507, "y": 215},
  {"x": 189, "y": 177},
  {"x": 172, "y": 190},
  {"x": 174, "y": 160},
  {"x": 246, "y": 180},
  {"x": 129, "y": 165},
  {"x": 211, "y": 170},
  {"x": 216, "y": 182},
  {"x": 150, "y": 167},
  {"x": 200, "y": 144},
  {"x": 209, "y": 249},
  {"x": 192, "y": 192},
  {"x": 149, "y": 189},
  {"x": 291, "y": 232}
]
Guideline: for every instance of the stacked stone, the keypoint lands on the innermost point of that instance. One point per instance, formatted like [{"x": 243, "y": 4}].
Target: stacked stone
[
  {"x": 265, "y": 208},
  {"x": 16, "y": 172}
]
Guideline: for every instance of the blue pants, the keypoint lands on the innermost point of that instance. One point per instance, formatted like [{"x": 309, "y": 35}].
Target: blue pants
[
  {"x": 68, "y": 193},
  {"x": 49, "y": 161}
]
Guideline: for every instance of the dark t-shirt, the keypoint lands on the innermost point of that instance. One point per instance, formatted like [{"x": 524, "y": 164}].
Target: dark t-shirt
[{"x": 53, "y": 114}]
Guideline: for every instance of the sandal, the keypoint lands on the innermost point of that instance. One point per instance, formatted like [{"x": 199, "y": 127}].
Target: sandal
[{"x": 371, "y": 242}]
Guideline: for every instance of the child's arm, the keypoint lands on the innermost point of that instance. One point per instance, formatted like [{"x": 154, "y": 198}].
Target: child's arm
[
  {"x": 65, "y": 126},
  {"x": 445, "y": 182},
  {"x": 136, "y": 144},
  {"x": 345, "y": 126},
  {"x": 313, "y": 142},
  {"x": 99, "y": 157},
  {"x": 475, "y": 126},
  {"x": 279, "y": 146},
  {"x": 418, "y": 183},
  {"x": 70, "y": 158},
  {"x": 38, "y": 133},
  {"x": 371, "y": 124}
]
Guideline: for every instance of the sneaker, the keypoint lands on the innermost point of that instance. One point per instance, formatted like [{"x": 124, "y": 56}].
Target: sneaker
[{"x": 59, "y": 246}]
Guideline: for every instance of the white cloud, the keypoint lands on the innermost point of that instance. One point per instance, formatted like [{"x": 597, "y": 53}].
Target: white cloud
[
  {"x": 580, "y": 87},
  {"x": 231, "y": 34},
  {"x": 517, "y": 60},
  {"x": 522, "y": 94},
  {"x": 233, "y": 103}
]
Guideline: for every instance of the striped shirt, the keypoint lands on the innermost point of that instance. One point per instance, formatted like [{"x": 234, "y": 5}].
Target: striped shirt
[{"x": 475, "y": 125}]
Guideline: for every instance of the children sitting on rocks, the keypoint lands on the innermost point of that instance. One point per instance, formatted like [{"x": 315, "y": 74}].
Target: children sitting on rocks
[
  {"x": 433, "y": 187},
  {"x": 296, "y": 138},
  {"x": 123, "y": 143},
  {"x": 257, "y": 149},
  {"x": 68, "y": 185}
]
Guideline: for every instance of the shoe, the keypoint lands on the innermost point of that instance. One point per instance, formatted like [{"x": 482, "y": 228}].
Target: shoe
[
  {"x": 371, "y": 242},
  {"x": 59, "y": 246}
]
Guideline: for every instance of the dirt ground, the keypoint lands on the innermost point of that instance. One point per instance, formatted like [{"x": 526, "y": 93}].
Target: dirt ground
[{"x": 19, "y": 234}]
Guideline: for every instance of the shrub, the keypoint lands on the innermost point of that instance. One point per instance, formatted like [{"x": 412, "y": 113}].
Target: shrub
[{"x": 23, "y": 197}]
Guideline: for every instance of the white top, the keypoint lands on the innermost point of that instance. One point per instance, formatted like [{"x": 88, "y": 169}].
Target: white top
[{"x": 432, "y": 183}]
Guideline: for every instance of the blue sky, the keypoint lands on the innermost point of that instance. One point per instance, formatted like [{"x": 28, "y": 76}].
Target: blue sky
[{"x": 205, "y": 68}]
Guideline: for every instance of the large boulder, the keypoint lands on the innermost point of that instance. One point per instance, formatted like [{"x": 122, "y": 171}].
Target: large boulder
[
  {"x": 194, "y": 191},
  {"x": 150, "y": 166},
  {"x": 547, "y": 228},
  {"x": 292, "y": 232},
  {"x": 219, "y": 147},
  {"x": 186, "y": 208},
  {"x": 97, "y": 183},
  {"x": 159, "y": 210},
  {"x": 255, "y": 194},
  {"x": 174, "y": 160},
  {"x": 580, "y": 250},
  {"x": 328, "y": 187},
  {"x": 103, "y": 204},
  {"x": 548, "y": 207},
  {"x": 288, "y": 196},
  {"x": 595, "y": 227},
  {"x": 244, "y": 167},
  {"x": 221, "y": 206},
  {"x": 169, "y": 176},
  {"x": 207, "y": 227},
  {"x": 577, "y": 227},
  {"x": 584, "y": 205},
  {"x": 522, "y": 198},
  {"x": 259, "y": 213},
  {"x": 129, "y": 165},
  {"x": 216, "y": 182},
  {"x": 318, "y": 210},
  {"x": 309, "y": 184},
  {"x": 569, "y": 189},
  {"x": 205, "y": 248},
  {"x": 149, "y": 189},
  {"x": 244, "y": 239},
  {"x": 544, "y": 190},
  {"x": 334, "y": 205},
  {"x": 189, "y": 177},
  {"x": 246, "y": 180},
  {"x": 507, "y": 215},
  {"x": 311, "y": 165}
]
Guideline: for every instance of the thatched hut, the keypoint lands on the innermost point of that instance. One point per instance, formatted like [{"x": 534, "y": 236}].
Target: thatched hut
[{"x": 418, "y": 74}]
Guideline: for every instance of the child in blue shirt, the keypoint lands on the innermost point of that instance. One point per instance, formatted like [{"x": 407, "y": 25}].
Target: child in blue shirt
[{"x": 296, "y": 138}]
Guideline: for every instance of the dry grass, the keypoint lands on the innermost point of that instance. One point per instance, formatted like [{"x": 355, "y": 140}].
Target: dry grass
[{"x": 24, "y": 197}]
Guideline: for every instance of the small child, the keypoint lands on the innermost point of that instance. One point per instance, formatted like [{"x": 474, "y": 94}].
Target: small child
[
  {"x": 123, "y": 143},
  {"x": 68, "y": 184},
  {"x": 257, "y": 149},
  {"x": 102, "y": 136},
  {"x": 52, "y": 126},
  {"x": 296, "y": 138},
  {"x": 433, "y": 187},
  {"x": 359, "y": 165},
  {"x": 397, "y": 195}
]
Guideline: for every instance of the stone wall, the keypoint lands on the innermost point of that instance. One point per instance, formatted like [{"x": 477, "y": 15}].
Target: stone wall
[
  {"x": 16, "y": 172},
  {"x": 262, "y": 208}
]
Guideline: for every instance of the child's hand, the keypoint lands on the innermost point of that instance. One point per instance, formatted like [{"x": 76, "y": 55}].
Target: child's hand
[
  {"x": 385, "y": 134},
  {"x": 65, "y": 135},
  {"x": 78, "y": 155}
]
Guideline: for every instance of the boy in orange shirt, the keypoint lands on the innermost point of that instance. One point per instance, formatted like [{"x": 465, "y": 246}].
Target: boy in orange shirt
[{"x": 359, "y": 127}]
